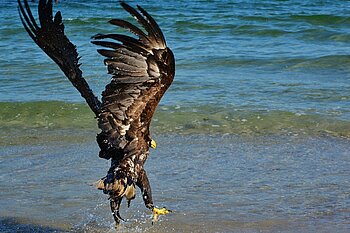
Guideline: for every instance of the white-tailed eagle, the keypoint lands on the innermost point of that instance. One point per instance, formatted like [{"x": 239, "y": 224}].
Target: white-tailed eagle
[{"x": 142, "y": 69}]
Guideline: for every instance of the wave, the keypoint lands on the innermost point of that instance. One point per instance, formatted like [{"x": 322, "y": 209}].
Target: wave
[
  {"x": 317, "y": 19},
  {"x": 324, "y": 62},
  {"x": 330, "y": 62},
  {"x": 209, "y": 119},
  {"x": 323, "y": 19}
]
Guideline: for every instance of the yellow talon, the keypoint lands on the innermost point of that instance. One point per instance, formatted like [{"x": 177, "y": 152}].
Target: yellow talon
[{"x": 157, "y": 212}]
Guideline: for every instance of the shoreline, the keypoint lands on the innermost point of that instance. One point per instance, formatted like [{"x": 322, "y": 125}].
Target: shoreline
[
  {"x": 45, "y": 116},
  {"x": 214, "y": 183}
]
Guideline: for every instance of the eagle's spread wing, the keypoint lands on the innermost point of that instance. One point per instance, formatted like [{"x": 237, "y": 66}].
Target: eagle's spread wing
[
  {"x": 50, "y": 37},
  {"x": 142, "y": 70}
]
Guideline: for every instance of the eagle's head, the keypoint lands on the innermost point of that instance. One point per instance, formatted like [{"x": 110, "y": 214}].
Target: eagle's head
[{"x": 152, "y": 144}]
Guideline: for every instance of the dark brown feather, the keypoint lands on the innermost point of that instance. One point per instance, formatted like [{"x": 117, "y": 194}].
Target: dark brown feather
[
  {"x": 144, "y": 67},
  {"x": 50, "y": 37},
  {"x": 123, "y": 58},
  {"x": 155, "y": 28},
  {"x": 139, "y": 19},
  {"x": 128, "y": 41},
  {"x": 132, "y": 28}
]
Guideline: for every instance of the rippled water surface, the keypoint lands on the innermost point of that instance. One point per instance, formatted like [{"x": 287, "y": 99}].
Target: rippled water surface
[
  {"x": 213, "y": 184},
  {"x": 238, "y": 59},
  {"x": 253, "y": 135}
]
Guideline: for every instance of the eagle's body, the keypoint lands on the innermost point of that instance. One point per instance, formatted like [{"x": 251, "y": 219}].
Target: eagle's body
[{"x": 142, "y": 70}]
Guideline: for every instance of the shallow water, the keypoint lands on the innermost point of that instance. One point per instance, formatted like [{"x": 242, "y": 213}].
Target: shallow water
[
  {"x": 213, "y": 184},
  {"x": 246, "y": 67}
]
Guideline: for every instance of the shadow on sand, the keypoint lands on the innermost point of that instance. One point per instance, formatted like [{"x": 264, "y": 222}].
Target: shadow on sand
[{"x": 12, "y": 224}]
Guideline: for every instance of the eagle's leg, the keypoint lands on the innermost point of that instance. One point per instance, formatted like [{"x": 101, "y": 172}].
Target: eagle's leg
[
  {"x": 115, "y": 205},
  {"x": 145, "y": 187}
]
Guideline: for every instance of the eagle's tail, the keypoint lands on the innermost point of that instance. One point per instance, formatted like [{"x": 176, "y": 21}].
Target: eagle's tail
[
  {"x": 50, "y": 37},
  {"x": 117, "y": 187},
  {"x": 120, "y": 187}
]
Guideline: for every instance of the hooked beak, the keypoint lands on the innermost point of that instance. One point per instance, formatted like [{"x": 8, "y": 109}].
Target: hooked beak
[{"x": 153, "y": 144}]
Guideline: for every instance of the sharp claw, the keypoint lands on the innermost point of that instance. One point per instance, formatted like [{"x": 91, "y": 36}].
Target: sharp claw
[
  {"x": 115, "y": 204},
  {"x": 117, "y": 218},
  {"x": 117, "y": 222},
  {"x": 157, "y": 212},
  {"x": 129, "y": 203},
  {"x": 120, "y": 218}
]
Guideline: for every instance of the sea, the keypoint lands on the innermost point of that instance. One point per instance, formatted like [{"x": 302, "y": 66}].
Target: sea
[{"x": 253, "y": 135}]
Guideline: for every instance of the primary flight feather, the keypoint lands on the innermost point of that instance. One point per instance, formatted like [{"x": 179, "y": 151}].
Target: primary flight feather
[{"x": 142, "y": 70}]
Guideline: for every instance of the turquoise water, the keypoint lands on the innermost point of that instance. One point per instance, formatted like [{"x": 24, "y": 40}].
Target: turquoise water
[
  {"x": 253, "y": 134},
  {"x": 245, "y": 57}
]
